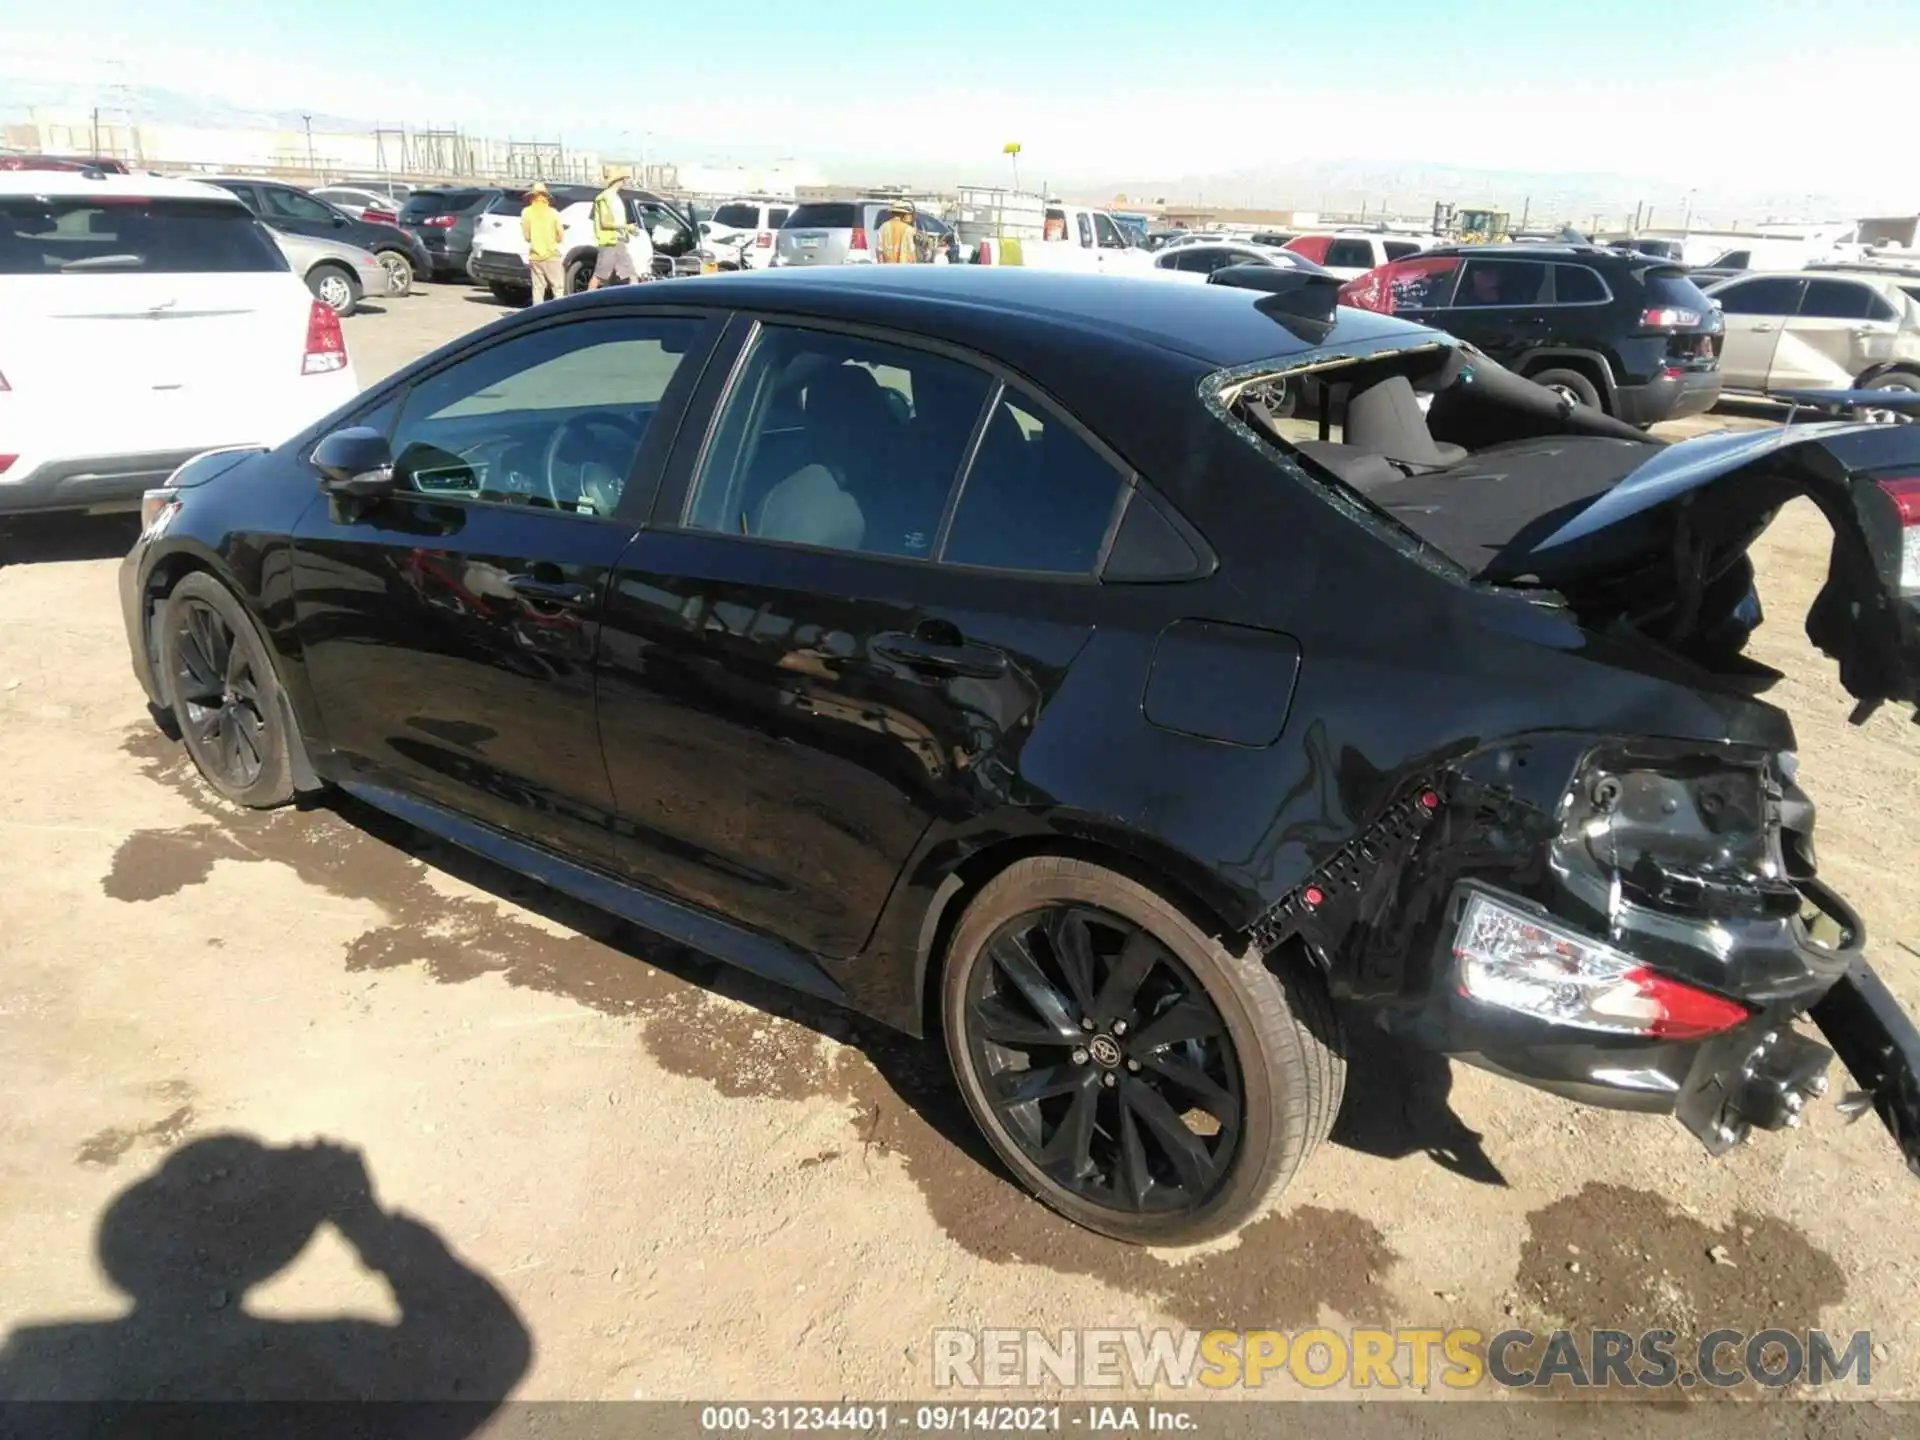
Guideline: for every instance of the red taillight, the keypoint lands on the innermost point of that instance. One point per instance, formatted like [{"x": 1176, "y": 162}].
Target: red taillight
[
  {"x": 379, "y": 216},
  {"x": 6, "y": 463},
  {"x": 1672, "y": 372},
  {"x": 859, "y": 240},
  {"x": 1903, "y": 490},
  {"x": 1680, "y": 1012},
  {"x": 1668, "y": 317},
  {"x": 441, "y": 222},
  {"x": 764, "y": 239},
  {"x": 326, "y": 342}
]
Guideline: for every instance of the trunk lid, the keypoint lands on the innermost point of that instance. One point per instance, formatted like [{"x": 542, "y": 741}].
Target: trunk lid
[{"x": 1670, "y": 539}]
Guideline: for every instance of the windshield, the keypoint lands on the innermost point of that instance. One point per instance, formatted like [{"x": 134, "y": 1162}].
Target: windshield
[
  {"x": 117, "y": 234},
  {"x": 424, "y": 203}
]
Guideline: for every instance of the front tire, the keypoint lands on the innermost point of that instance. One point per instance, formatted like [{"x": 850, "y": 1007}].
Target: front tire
[
  {"x": 1133, "y": 1073},
  {"x": 220, "y": 685}
]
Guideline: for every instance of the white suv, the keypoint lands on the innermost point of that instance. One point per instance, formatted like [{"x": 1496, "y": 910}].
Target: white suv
[
  {"x": 661, "y": 241},
  {"x": 1350, "y": 254},
  {"x": 754, "y": 216},
  {"x": 147, "y": 320}
]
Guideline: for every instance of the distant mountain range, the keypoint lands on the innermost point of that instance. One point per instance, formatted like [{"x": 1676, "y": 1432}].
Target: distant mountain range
[
  {"x": 1411, "y": 187},
  {"x": 164, "y": 107},
  {"x": 1332, "y": 185}
]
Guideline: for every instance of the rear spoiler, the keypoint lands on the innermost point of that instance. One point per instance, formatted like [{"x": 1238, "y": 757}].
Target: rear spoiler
[{"x": 1302, "y": 301}]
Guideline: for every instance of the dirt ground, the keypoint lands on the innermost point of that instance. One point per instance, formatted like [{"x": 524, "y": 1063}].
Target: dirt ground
[{"x": 632, "y": 1173}]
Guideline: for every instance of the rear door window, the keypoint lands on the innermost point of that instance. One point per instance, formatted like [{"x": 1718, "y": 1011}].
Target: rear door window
[
  {"x": 1085, "y": 228},
  {"x": 840, "y": 442},
  {"x": 1835, "y": 300},
  {"x": 738, "y": 217},
  {"x": 122, "y": 235},
  {"x": 1578, "y": 285},
  {"x": 1349, "y": 255},
  {"x": 777, "y": 217},
  {"x": 1489, "y": 283},
  {"x": 1037, "y": 496},
  {"x": 1400, "y": 249}
]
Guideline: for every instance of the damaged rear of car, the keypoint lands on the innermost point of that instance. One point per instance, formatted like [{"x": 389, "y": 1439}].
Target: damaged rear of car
[{"x": 1629, "y": 917}]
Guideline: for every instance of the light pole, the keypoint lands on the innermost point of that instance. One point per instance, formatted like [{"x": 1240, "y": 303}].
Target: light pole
[
  {"x": 1687, "y": 223},
  {"x": 308, "y": 119}
]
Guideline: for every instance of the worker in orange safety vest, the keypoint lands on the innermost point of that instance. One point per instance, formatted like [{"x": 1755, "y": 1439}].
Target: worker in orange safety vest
[{"x": 899, "y": 240}]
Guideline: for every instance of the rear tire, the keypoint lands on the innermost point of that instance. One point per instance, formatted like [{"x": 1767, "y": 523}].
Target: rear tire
[
  {"x": 1190, "y": 1094},
  {"x": 1899, "y": 380},
  {"x": 1570, "y": 385},
  {"x": 335, "y": 287},
  {"x": 579, "y": 272},
  {"x": 399, "y": 271},
  {"x": 221, "y": 686}
]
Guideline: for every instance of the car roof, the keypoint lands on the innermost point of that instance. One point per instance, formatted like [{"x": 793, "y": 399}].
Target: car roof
[
  {"x": 1216, "y": 325},
  {"x": 1582, "y": 253},
  {"x": 72, "y": 183}
]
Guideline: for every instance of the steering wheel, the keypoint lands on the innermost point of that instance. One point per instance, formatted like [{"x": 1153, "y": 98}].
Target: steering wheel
[{"x": 612, "y": 419}]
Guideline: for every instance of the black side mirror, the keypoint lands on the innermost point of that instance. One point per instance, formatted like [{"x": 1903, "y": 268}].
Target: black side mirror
[
  {"x": 340, "y": 221},
  {"x": 355, "y": 464}
]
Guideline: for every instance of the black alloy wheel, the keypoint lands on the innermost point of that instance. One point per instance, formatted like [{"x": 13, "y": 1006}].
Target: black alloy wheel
[
  {"x": 220, "y": 713},
  {"x": 1133, "y": 1072},
  {"x": 1105, "y": 1060},
  {"x": 224, "y": 694}
]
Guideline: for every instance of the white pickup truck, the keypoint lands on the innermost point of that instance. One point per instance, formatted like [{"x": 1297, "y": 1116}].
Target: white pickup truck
[{"x": 1070, "y": 237}]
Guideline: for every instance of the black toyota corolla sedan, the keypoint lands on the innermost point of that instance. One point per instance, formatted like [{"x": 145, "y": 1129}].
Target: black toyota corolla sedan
[{"x": 1135, "y": 686}]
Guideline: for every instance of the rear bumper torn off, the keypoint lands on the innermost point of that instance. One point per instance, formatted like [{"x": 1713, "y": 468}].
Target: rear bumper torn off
[{"x": 1877, "y": 1041}]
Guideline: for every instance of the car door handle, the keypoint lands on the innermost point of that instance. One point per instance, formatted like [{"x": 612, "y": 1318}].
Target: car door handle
[
  {"x": 1763, "y": 329},
  {"x": 979, "y": 661},
  {"x": 552, "y": 592}
]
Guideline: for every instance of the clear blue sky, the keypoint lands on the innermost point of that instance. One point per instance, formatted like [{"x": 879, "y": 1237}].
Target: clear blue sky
[{"x": 1684, "y": 92}]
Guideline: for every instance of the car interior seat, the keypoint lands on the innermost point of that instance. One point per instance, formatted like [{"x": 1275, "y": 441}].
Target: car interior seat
[
  {"x": 1385, "y": 419},
  {"x": 845, "y": 421}
]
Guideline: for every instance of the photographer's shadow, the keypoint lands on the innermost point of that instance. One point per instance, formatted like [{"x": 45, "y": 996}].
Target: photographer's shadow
[{"x": 223, "y": 1215}]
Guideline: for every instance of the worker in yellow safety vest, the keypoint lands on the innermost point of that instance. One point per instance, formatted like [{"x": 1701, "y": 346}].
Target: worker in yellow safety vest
[
  {"x": 610, "y": 231},
  {"x": 899, "y": 240}
]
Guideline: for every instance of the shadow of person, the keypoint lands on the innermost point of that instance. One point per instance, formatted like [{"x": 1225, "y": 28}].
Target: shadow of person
[
  {"x": 1401, "y": 1107},
  {"x": 223, "y": 1215}
]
